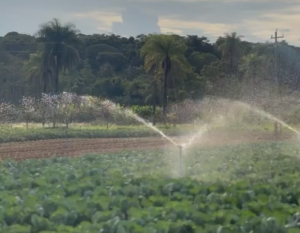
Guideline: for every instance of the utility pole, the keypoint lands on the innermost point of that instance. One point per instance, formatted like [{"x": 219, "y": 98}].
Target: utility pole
[
  {"x": 277, "y": 126},
  {"x": 276, "y": 72}
]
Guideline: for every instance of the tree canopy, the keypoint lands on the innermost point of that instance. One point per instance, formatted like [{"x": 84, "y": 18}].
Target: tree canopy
[{"x": 126, "y": 69}]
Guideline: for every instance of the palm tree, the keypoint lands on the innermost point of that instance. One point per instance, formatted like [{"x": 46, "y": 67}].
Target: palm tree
[
  {"x": 153, "y": 95},
  {"x": 232, "y": 49},
  {"x": 164, "y": 52},
  {"x": 58, "y": 51}
]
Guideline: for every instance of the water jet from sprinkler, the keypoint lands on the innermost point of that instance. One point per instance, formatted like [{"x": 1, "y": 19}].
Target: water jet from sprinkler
[
  {"x": 180, "y": 159},
  {"x": 180, "y": 149}
]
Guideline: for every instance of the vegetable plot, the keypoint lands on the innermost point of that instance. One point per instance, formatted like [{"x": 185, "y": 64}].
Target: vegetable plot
[{"x": 134, "y": 192}]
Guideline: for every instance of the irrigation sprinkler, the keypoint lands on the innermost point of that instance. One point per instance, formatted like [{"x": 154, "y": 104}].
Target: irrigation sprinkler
[
  {"x": 66, "y": 140},
  {"x": 180, "y": 159}
]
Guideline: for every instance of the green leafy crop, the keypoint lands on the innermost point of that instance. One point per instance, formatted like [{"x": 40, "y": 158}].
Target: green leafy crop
[{"x": 251, "y": 188}]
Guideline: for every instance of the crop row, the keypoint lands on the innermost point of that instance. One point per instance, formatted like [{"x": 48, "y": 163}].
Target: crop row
[{"x": 73, "y": 147}]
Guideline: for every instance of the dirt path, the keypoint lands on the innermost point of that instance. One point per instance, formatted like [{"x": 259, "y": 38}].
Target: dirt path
[{"x": 78, "y": 147}]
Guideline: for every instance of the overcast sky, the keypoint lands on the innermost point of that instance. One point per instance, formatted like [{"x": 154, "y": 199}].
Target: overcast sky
[{"x": 256, "y": 20}]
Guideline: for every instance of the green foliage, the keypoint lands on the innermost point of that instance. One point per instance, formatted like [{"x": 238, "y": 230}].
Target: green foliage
[
  {"x": 8, "y": 134},
  {"x": 112, "y": 67},
  {"x": 164, "y": 57},
  {"x": 199, "y": 60},
  {"x": 58, "y": 53},
  {"x": 146, "y": 112},
  {"x": 100, "y": 54},
  {"x": 135, "y": 192}
]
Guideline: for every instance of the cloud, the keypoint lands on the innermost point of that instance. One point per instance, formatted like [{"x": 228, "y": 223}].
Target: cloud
[
  {"x": 209, "y": 29},
  {"x": 192, "y": 1},
  {"x": 256, "y": 22},
  {"x": 266, "y": 24},
  {"x": 255, "y": 19},
  {"x": 171, "y": 30},
  {"x": 136, "y": 21},
  {"x": 103, "y": 19}
]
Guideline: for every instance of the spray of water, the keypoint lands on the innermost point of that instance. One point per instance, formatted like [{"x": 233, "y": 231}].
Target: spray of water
[
  {"x": 197, "y": 135},
  {"x": 149, "y": 125},
  {"x": 130, "y": 113},
  {"x": 244, "y": 105},
  {"x": 203, "y": 129},
  {"x": 265, "y": 114},
  {"x": 181, "y": 160}
]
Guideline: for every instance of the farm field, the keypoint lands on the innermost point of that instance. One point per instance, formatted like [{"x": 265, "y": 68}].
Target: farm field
[
  {"x": 238, "y": 188},
  {"x": 231, "y": 180},
  {"x": 183, "y": 132},
  {"x": 79, "y": 146},
  {"x": 19, "y": 133}
]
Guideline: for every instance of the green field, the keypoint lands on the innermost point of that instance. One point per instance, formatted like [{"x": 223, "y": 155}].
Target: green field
[
  {"x": 250, "y": 188},
  {"x": 18, "y": 132}
]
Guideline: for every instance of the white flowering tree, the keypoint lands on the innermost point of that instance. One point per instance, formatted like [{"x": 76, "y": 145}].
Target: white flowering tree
[
  {"x": 50, "y": 103},
  {"x": 104, "y": 109},
  {"x": 28, "y": 110},
  {"x": 69, "y": 106},
  {"x": 64, "y": 108},
  {"x": 8, "y": 113},
  {"x": 41, "y": 108}
]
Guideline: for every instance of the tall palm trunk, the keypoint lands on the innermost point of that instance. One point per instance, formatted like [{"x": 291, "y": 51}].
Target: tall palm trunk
[
  {"x": 166, "y": 64},
  {"x": 57, "y": 60},
  {"x": 56, "y": 73},
  {"x": 165, "y": 96},
  {"x": 45, "y": 82},
  {"x": 56, "y": 79},
  {"x": 231, "y": 64},
  {"x": 154, "y": 103}
]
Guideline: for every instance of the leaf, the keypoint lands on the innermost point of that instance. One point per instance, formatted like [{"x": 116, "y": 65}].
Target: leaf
[
  {"x": 16, "y": 228},
  {"x": 120, "y": 229},
  {"x": 101, "y": 216},
  {"x": 226, "y": 229}
]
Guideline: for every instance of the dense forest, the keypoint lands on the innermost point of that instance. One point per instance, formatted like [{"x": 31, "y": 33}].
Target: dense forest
[{"x": 140, "y": 70}]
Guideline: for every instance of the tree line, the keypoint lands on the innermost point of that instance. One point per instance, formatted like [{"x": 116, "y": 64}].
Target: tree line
[
  {"x": 66, "y": 108},
  {"x": 154, "y": 69}
]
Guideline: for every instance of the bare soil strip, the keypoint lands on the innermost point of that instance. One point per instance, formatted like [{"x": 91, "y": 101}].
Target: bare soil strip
[{"x": 78, "y": 147}]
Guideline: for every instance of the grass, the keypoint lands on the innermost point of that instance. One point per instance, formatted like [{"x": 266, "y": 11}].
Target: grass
[
  {"x": 16, "y": 134},
  {"x": 19, "y": 132}
]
